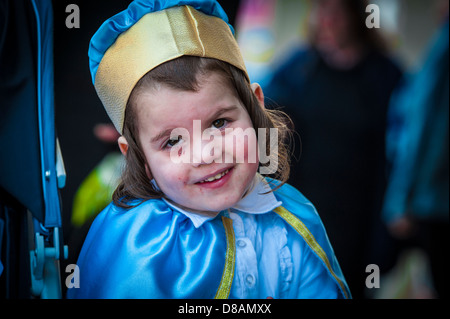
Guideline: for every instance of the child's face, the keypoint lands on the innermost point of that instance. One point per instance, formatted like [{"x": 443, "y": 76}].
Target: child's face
[{"x": 214, "y": 105}]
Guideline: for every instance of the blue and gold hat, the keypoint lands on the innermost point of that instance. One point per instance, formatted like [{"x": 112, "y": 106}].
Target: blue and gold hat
[{"x": 149, "y": 33}]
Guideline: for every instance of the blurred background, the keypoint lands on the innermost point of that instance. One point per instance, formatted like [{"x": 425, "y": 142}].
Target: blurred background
[{"x": 369, "y": 105}]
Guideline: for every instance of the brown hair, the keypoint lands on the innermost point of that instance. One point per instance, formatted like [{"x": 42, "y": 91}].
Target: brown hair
[{"x": 183, "y": 74}]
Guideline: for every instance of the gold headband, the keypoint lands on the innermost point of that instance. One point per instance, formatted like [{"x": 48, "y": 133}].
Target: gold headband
[{"x": 156, "y": 38}]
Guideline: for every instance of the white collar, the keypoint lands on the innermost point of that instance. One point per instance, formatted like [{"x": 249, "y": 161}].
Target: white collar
[{"x": 259, "y": 200}]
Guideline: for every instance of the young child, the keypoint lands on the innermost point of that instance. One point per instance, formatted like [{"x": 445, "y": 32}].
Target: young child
[{"x": 192, "y": 217}]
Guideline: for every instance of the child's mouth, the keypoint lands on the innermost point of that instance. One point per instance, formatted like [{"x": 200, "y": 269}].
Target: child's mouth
[
  {"x": 214, "y": 178},
  {"x": 217, "y": 180}
]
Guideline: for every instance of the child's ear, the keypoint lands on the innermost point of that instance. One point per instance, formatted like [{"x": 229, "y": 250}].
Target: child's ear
[
  {"x": 123, "y": 145},
  {"x": 147, "y": 171},
  {"x": 256, "y": 88}
]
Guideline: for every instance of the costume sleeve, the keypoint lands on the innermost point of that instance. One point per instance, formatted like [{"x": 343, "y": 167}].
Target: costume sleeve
[
  {"x": 315, "y": 281},
  {"x": 320, "y": 270},
  {"x": 146, "y": 252}
]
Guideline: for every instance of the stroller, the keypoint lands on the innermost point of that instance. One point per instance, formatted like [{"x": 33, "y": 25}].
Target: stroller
[{"x": 31, "y": 167}]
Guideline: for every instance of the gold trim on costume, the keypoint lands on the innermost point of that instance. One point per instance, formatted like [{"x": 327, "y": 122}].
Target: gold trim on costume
[
  {"x": 228, "y": 272},
  {"x": 298, "y": 225},
  {"x": 156, "y": 38}
]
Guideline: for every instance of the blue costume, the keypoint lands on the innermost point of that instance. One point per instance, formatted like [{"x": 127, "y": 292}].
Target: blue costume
[{"x": 268, "y": 245}]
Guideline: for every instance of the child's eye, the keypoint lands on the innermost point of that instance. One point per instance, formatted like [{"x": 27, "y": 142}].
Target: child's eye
[
  {"x": 219, "y": 123},
  {"x": 173, "y": 141}
]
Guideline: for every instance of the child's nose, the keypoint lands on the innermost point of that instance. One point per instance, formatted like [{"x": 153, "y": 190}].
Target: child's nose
[{"x": 207, "y": 152}]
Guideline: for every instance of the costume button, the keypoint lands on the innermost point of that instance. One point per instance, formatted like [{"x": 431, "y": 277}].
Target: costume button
[
  {"x": 250, "y": 280},
  {"x": 241, "y": 243}
]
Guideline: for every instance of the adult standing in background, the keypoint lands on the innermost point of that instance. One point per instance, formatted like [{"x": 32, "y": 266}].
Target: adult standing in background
[
  {"x": 416, "y": 206},
  {"x": 337, "y": 92}
]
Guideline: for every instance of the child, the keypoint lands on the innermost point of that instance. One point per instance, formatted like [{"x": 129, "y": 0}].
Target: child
[{"x": 192, "y": 217}]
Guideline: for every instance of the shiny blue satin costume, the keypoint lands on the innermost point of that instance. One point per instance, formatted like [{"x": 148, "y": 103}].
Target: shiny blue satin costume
[
  {"x": 157, "y": 251},
  {"x": 267, "y": 245}
]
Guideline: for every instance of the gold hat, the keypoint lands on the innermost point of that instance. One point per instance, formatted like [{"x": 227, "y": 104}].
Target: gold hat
[{"x": 156, "y": 38}]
